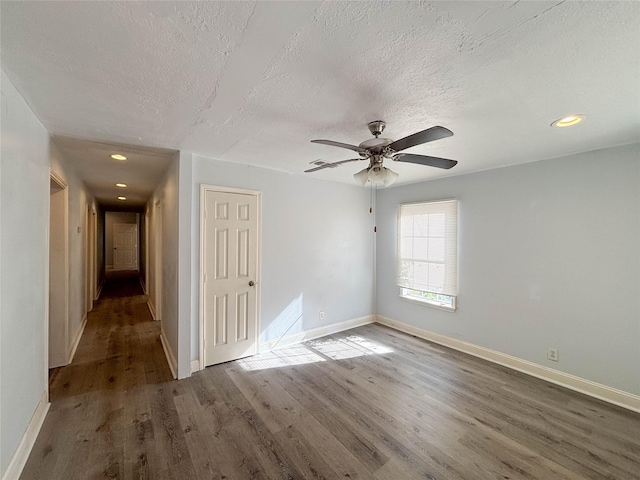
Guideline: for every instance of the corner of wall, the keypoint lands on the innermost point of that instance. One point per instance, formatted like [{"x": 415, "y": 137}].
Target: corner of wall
[
  {"x": 171, "y": 358},
  {"x": 185, "y": 192}
]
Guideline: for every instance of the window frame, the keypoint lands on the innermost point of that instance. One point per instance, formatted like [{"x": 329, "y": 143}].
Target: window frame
[{"x": 430, "y": 303}]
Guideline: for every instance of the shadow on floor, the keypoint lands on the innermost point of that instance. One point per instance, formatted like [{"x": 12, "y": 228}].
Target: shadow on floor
[{"x": 123, "y": 283}]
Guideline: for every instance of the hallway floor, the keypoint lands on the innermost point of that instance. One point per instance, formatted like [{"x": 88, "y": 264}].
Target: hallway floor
[
  {"x": 118, "y": 374},
  {"x": 369, "y": 403}
]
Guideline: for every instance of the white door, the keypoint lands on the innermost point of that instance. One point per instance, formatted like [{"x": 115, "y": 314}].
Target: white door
[
  {"x": 230, "y": 258},
  {"x": 125, "y": 246}
]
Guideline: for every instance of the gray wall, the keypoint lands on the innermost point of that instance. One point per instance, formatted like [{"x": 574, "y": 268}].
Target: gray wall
[
  {"x": 24, "y": 250},
  {"x": 317, "y": 247},
  {"x": 167, "y": 194},
  {"x": 549, "y": 257}
]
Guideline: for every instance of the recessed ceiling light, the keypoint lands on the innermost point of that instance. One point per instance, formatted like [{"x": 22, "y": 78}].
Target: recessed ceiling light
[
  {"x": 121, "y": 185},
  {"x": 117, "y": 156},
  {"x": 122, "y": 198},
  {"x": 568, "y": 121}
]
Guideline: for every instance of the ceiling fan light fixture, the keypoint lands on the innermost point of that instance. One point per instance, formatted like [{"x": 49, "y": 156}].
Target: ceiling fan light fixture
[
  {"x": 362, "y": 177},
  {"x": 377, "y": 176},
  {"x": 390, "y": 177},
  {"x": 568, "y": 121}
]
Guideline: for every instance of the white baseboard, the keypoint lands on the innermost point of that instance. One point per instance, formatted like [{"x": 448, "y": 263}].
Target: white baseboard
[
  {"x": 28, "y": 440},
  {"x": 195, "y": 366},
  {"x": 99, "y": 291},
  {"x": 323, "y": 331},
  {"x": 143, "y": 285},
  {"x": 171, "y": 359},
  {"x": 76, "y": 339},
  {"x": 151, "y": 309},
  {"x": 597, "y": 390}
]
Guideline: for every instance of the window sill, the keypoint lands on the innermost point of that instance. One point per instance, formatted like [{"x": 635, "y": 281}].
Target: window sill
[{"x": 428, "y": 304}]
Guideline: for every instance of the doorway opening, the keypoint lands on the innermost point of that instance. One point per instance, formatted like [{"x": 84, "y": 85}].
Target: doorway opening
[
  {"x": 121, "y": 241},
  {"x": 58, "y": 351}
]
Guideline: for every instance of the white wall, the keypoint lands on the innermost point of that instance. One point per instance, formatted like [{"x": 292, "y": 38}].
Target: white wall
[
  {"x": 152, "y": 245},
  {"x": 317, "y": 248},
  {"x": 167, "y": 195},
  {"x": 549, "y": 257},
  {"x": 110, "y": 219},
  {"x": 24, "y": 216},
  {"x": 79, "y": 199}
]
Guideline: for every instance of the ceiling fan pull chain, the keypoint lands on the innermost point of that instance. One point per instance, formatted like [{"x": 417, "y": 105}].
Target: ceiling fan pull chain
[
  {"x": 371, "y": 199},
  {"x": 374, "y": 198}
]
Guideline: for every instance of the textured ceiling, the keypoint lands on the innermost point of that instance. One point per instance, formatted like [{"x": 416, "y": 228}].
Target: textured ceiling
[{"x": 253, "y": 82}]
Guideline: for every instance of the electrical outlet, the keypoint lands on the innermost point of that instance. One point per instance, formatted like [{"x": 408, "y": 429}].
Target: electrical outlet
[
  {"x": 321, "y": 315},
  {"x": 552, "y": 354}
]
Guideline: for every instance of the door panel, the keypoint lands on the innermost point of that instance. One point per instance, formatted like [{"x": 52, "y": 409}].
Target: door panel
[
  {"x": 125, "y": 246},
  {"x": 230, "y": 255}
]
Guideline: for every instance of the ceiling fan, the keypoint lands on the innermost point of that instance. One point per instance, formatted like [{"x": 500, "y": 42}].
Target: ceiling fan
[{"x": 377, "y": 149}]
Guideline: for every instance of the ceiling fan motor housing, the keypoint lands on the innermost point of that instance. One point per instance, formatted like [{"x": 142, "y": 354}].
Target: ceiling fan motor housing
[{"x": 376, "y": 127}]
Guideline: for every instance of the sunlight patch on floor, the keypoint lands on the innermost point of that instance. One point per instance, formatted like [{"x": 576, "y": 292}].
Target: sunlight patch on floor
[
  {"x": 314, "y": 351},
  {"x": 350, "y": 347},
  {"x": 285, "y": 357}
]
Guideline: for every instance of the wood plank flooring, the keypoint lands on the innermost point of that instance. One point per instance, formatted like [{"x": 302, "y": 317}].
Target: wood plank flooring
[{"x": 369, "y": 403}]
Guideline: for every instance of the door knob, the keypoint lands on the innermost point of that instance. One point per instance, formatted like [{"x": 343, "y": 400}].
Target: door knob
[{"x": 251, "y": 283}]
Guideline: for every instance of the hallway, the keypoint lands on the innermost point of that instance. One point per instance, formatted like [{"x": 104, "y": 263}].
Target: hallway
[{"x": 103, "y": 400}]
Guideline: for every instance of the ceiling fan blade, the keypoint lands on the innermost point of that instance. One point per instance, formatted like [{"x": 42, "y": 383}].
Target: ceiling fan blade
[
  {"x": 425, "y": 160},
  {"x": 332, "y": 164},
  {"x": 428, "y": 135},
  {"x": 342, "y": 145}
]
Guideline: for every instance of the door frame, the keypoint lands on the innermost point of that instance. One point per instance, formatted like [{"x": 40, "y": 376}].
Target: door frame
[{"x": 204, "y": 188}]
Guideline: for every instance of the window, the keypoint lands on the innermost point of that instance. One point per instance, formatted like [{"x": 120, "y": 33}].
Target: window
[{"x": 428, "y": 252}]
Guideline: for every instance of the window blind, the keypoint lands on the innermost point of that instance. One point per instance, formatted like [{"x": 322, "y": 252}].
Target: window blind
[{"x": 428, "y": 247}]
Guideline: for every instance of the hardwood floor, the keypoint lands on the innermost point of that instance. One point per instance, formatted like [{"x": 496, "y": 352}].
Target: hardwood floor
[{"x": 369, "y": 403}]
